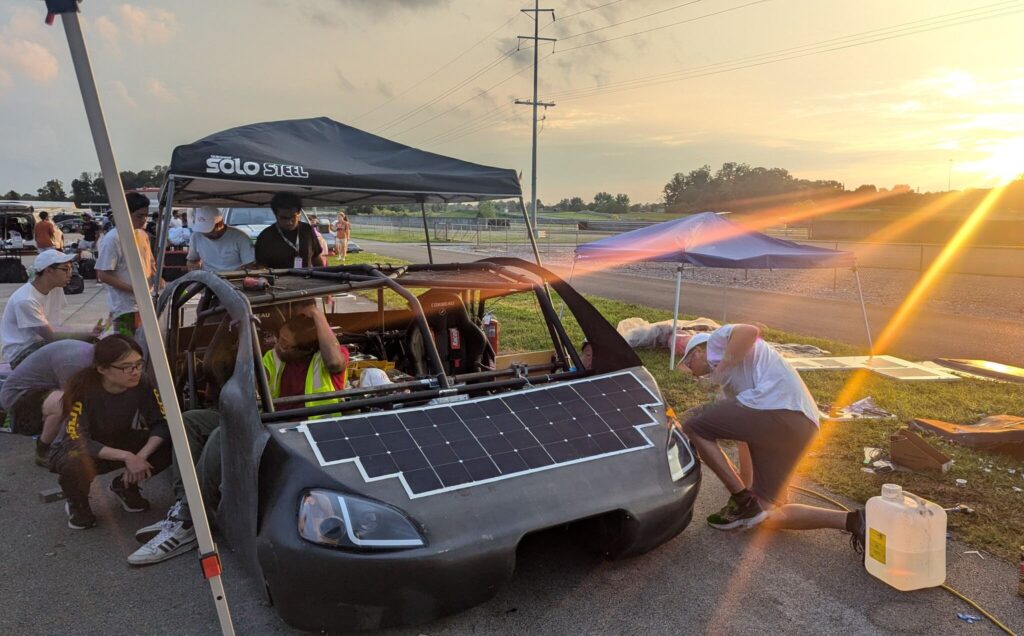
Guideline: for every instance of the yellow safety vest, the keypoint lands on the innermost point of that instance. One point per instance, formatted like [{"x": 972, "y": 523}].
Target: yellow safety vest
[{"x": 318, "y": 378}]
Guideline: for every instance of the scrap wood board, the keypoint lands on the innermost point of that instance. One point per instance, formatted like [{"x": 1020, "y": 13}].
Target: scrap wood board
[{"x": 889, "y": 366}]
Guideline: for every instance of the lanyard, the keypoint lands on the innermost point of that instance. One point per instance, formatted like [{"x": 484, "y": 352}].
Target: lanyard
[{"x": 294, "y": 245}]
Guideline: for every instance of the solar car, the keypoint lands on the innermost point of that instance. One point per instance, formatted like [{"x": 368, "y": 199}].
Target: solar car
[{"x": 405, "y": 500}]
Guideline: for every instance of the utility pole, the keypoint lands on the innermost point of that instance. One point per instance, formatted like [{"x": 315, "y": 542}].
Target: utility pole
[{"x": 536, "y": 11}]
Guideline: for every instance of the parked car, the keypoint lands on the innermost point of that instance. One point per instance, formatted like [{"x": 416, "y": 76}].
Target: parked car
[
  {"x": 17, "y": 225},
  {"x": 252, "y": 221},
  {"x": 404, "y": 501}
]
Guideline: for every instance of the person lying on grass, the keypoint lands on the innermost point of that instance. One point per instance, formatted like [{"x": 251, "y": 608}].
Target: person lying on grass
[{"x": 772, "y": 417}]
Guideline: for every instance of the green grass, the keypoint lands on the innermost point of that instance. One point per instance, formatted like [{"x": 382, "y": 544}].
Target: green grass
[{"x": 836, "y": 459}]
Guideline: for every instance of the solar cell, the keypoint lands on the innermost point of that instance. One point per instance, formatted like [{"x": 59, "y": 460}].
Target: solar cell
[{"x": 438, "y": 448}]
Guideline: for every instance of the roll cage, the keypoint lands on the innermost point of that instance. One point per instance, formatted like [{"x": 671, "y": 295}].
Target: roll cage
[{"x": 224, "y": 300}]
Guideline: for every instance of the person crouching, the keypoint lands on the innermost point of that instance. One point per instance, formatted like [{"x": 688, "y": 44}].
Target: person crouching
[{"x": 113, "y": 419}]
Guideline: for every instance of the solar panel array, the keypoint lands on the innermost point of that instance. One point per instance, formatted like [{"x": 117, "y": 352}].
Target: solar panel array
[{"x": 440, "y": 448}]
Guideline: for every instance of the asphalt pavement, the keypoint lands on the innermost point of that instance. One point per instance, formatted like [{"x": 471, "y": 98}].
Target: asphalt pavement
[
  {"x": 58, "y": 580},
  {"x": 926, "y": 335}
]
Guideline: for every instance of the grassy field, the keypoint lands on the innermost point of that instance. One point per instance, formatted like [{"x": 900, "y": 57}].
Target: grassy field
[{"x": 835, "y": 462}]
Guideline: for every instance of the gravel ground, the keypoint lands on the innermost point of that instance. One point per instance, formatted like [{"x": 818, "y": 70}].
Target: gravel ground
[{"x": 961, "y": 294}]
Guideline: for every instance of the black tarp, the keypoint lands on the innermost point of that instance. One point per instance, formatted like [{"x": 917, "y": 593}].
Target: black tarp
[{"x": 326, "y": 163}]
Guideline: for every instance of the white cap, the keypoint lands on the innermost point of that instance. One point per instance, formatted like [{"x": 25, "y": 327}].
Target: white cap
[
  {"x": 892, "y": 491},
  {"x": 206, "y": 219},
  {"x": 47, "y": 258},
  {"x": 372, "y": 376},
  {"x": 696, "y": 339}
]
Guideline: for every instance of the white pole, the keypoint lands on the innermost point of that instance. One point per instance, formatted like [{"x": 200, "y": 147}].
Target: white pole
[
  {"x": 864, "y": 310},
  {"x": 154, "y": 343},
  {"x": 675, "y": 319}
]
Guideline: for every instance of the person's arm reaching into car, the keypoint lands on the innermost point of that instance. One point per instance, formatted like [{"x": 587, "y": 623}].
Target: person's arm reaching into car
[{"x": 741, "y": 342}]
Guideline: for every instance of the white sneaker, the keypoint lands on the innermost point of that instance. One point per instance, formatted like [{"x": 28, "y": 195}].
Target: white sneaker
[
  {"x": 144, "y": 534},
  {"x": 172, "y": 540}
]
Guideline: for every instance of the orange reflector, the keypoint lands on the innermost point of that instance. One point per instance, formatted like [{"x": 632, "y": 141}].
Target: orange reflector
[
  {"x": 211, "y": 565},
  {"x": 670, "y": 412}
]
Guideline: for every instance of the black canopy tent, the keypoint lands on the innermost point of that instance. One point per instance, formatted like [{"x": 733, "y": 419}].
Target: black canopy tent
[{"x": 325, "y": 163}]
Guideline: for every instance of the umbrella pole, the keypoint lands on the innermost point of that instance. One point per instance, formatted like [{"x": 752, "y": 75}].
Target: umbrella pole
[
  {"x": 864, "y": 310},
  {"x": 209, "y": 559},
  {"x": 426, "y": 232},
  {"x": 675, "y": 319}
]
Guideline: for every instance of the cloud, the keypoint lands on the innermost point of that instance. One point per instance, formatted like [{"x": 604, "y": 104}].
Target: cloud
[
  {"x": 30, "y": 59},
  {"x": 343, "y": 81},
  {"x": 106, "y": 28},
  {"x": 384, "y": 89},
  {"x": 120, "y": 92},
  {"x": 161, "y": 92},
  {"x": 147, "y": 26}
]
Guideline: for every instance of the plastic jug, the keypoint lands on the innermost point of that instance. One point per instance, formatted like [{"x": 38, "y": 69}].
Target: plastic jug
[{"x": 906, "y": 540}]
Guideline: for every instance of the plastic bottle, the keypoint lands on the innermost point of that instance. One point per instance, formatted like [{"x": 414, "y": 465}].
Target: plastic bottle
[{"x": 906, "y": 540}]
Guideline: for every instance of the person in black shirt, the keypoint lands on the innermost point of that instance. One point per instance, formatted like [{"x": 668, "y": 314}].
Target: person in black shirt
[
  {"x": 90, "y": 233},
  {"x": 289, "y": 242},
  {"x": 114, "y": 419}
]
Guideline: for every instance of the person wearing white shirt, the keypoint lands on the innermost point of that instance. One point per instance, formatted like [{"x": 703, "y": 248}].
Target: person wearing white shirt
[
  {"x": 112, "y": 268},
  {"x": 32, "y": 315},
  {"x": 217, "y": 247},
  {"x": 772, "y": 417}
]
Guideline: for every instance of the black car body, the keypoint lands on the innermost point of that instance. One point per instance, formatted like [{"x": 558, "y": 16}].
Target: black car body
[{"x": 406, "y": 501}]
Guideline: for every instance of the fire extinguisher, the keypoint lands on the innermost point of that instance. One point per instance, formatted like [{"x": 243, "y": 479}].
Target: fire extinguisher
[{"x": 492, "y": 329}]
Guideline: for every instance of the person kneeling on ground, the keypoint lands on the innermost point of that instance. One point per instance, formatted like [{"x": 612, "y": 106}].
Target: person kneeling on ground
[
  {"x": 771, "y": 415},
  {"x": 114, "y": 419},
  {"x": 306, "y": 360},
  {"x": 32, "y": 393}
]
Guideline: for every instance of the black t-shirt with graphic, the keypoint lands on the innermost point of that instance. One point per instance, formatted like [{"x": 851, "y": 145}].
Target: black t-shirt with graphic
[{"x": 278, "y": 248}]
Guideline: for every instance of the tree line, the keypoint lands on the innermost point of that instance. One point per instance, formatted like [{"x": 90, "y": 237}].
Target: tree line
[{"x": 90, "y": 188}]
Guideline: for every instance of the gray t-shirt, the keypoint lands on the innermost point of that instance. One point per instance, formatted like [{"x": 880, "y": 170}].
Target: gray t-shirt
[
  {"x": 49, "y": 367},
  {"x": 226, "y": 254}
]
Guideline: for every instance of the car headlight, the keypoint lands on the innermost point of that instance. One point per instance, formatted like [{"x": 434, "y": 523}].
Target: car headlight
[
  {"x": 681, "y": 458},
  {"x": 345, "y": 521}
]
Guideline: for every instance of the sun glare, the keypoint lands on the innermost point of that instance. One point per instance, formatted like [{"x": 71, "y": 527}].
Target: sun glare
[{"x": 1005, "y": 161}]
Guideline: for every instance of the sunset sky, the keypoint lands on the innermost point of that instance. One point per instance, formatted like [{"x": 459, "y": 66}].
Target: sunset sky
[{"x": 907, "y": 109}]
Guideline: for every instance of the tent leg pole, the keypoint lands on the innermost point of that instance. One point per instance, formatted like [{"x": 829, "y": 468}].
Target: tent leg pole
[
  {"x": 426, "y": 232},
  {"x": 675, "y": 319},
  {"x": 572, "y": 270},
  {"x": 147, "y": 311},
  {"x": 529, "y": 231},
  {"x": 161, "y": 239},
  {"x": 864, "y": 310}
]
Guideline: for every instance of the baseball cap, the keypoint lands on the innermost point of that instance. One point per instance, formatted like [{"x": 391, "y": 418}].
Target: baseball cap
[
  {"x": 206, "y": 218},
  {"x": 48, "y": 258},
  {"x": 696, "y": 339}
]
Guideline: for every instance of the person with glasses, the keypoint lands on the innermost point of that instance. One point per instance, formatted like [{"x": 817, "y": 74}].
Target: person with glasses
[
  {"x": 32, "y": 315},
  {"x": 288, "y": 242},
  {"x": 112, "y": 268},
  {"x": 113, "y": 419}
]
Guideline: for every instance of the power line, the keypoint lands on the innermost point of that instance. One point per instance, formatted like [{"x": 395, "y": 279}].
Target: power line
[
  {"x": 641, "y": 17},
  {"x": 905, "y": 29},
  {"x": 867, "y": 37},
  {"x": 438, "y": 70},
  {"x": 573, "y": 15}
]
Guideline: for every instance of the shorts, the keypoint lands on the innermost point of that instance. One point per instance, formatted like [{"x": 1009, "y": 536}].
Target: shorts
[
  {"x": 27, "y": 412},
  {"x": 777, "y": 440}
]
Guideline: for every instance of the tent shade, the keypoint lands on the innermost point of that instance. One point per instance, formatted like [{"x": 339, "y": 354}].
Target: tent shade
[
  {"x": 326, "y": 163},
  {"x": 709, "y": 240}
]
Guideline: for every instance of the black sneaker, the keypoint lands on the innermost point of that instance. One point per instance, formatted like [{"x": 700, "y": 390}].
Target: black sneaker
[
  {"x": 42, "y": 454},
  {"x": 80, "y": 515},
  {"x": 858, "y": 535},
  {"x": 130, "y": 497},
  {"x": 742, "y": 511}
]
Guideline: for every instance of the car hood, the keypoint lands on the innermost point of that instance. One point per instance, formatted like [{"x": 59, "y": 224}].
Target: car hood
[
  {"x": 252, "y": 230},
  {"x": 513, "y": 504}
]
